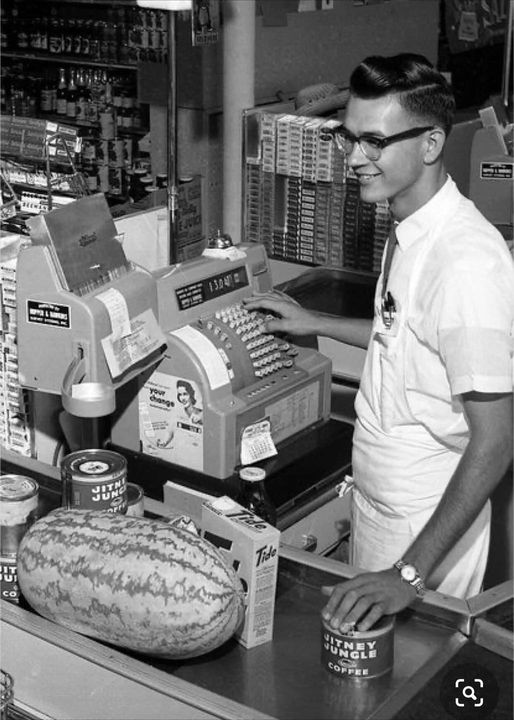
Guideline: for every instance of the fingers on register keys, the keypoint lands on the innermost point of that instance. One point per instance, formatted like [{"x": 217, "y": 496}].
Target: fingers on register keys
[
  {"x": 274, "y": 301},
  {"x": 282, "y": 310}
]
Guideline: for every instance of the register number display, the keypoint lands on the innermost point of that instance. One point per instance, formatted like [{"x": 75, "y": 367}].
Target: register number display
[{"x": 212, "y": 287}]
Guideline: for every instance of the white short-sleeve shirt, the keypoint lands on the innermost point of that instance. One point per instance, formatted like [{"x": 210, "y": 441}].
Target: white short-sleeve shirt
[{"x": 452, "y": 278}]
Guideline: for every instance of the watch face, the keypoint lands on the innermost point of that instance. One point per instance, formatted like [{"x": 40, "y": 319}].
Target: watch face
[{"x": 408, "y": 573}]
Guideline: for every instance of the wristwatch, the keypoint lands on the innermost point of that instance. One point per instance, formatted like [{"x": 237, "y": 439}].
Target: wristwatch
[{"x": 409, "y": 574}]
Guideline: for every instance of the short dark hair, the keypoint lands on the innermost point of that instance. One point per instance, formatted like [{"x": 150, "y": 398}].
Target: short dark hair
[
  {"x": 188, "y": 388},
  {"x": 421, "y": 89}
]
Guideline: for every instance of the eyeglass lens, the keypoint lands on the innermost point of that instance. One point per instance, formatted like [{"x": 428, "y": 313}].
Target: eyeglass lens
[{"x": 345, "y": 144}]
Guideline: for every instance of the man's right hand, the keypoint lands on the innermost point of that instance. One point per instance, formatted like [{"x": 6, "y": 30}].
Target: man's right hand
[{"x": 290, "y": 318}]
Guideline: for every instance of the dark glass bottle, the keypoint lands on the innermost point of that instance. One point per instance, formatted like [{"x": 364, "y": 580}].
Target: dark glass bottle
[
  {"x": 55, "y": 37},
  {"x": 72, "y": 96},
  {"x": 62, "y": 92},
  {"x": 254, "y": 496},
  {"x": 4, "y": 28},
  {"x": 47, "y": 93},
  {"x": 43, "y": 34}
]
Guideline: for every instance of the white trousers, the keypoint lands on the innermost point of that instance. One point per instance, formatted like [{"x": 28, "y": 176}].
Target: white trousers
[{"x": 378, "y": 541}]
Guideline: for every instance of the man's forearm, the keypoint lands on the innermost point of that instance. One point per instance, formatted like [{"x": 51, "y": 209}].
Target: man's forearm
[{"x": 352, "y": 331}]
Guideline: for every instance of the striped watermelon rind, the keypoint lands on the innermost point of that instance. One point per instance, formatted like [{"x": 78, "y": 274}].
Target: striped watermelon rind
[{"x": 133, "y": 582}]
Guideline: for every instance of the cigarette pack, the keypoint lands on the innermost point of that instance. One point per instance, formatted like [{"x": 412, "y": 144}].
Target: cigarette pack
[{"x": 251, "y": 546}]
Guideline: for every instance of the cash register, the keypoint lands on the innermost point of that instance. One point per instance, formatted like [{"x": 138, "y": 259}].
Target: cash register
[
  {"x": 227, "y": 392},
  {"x": 186, "y": 374}
]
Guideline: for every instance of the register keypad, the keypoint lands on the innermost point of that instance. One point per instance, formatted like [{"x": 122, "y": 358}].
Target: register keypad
[{"x": 267, "y": 353}]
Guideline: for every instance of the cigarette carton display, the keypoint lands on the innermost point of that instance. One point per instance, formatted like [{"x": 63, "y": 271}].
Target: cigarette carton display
[{"x": 251, "y": 546}]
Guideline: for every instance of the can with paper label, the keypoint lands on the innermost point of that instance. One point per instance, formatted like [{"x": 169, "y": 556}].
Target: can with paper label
[
  {"x": 95, "y": 479},
  {"x": 359, "y": 654},
  {"x": 18, "y": 510}
]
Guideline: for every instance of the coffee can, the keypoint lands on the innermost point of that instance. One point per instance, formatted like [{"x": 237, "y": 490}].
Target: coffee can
[
  {"x": 18, "y": 510},
  {"x": 359, "y": 654},
  {"x": 135, "y": 500},
  {"x": 95, "y": 479},
  {"x": 9, "y": 588}
]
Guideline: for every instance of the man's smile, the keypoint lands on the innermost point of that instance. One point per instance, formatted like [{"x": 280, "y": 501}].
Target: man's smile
[{"x": 367, "y": 177}]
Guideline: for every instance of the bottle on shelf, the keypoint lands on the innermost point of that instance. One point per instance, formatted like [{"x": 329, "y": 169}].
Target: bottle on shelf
[
  {"x": 48, "y": 95},
  {"x": 93, "y": 90},
  {"x": 43, "y": 34},
  {"x": 107, "y": 113},
  {"x": 88, "y": 41},
  {"x": 55, "y": 37},
  {"x": 82, "y": 96},
  {"x": 72, "y": 96},
  {"x": 22, "y": 35},
  {"x": 69, "y": 36},
  {"x": 34, "y": 34},
  {"x": 254, "y": 496},
  {"x": 122, "y": 40},
  {"x": 77, "y": 37},
  {"x": 102, "y": 30},
  {"x": 4, "y": 28},
  {"x": 111, "y": 32},
  {"x": 62, "y": 93}
]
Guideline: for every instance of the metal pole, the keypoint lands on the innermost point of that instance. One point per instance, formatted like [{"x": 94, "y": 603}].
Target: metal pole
[
  {"x": 507, "y": 57},
  {"x": 238, "y": 95},
  {"x": 172, "y": 193}
]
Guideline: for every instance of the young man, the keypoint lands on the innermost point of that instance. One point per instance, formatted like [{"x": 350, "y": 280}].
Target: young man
[{"x": 434, "y": 429}]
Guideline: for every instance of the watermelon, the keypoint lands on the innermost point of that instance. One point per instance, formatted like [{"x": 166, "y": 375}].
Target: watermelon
[{"x": 133, "y": 582}]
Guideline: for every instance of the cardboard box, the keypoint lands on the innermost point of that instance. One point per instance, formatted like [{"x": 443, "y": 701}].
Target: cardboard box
[
  {"x": 182, "y": 500},
  {"x": 251, "y": 546}
]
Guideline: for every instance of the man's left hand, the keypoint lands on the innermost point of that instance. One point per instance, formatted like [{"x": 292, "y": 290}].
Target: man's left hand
[{"x": 363, "y": 600}]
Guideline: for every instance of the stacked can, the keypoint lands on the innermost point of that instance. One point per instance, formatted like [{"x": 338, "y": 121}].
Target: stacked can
[
  {"x": 135, "y": 500},
  {"x": 18, "y": 510},
  {"x": 95, "y": 479}
]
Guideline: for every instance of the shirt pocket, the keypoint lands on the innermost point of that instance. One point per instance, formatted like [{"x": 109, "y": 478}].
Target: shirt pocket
[{"x": 393, "y": 405}]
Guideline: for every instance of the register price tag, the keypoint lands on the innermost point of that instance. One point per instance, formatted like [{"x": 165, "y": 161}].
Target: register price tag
[
  {"x": 257, "y": 443},
  {"x": 122, "y": 352},
  {"x": 116, "y": 306}
]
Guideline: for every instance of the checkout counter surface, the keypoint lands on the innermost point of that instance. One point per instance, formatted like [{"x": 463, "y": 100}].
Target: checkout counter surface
[
  {"x": 63, "y": 675},
  {"x": 281, "y": 679}
]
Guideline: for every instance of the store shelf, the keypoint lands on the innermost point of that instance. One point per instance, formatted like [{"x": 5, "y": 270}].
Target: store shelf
[
  {"x": 66, "y": 60},
  {"x": 51, "y": 117}
]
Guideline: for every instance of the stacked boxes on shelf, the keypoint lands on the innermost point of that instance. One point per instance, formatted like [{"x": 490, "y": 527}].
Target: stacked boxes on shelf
[
  {"x": 292, "y": 226},
  {"x": 350, "y": 221},
  {"x": 382, "y": 228},
  {"x": 15, "y": 426},
  {"x": 303, "y": 201}
]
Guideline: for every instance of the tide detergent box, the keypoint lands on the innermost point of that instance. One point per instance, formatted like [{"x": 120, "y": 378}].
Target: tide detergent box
[{"x": 251, "y": 546}]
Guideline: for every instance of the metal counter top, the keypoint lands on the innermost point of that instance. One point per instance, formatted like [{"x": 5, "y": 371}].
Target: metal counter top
[
  {"x": 281, "y": 679},
  {"x": 286, "y": 679}
]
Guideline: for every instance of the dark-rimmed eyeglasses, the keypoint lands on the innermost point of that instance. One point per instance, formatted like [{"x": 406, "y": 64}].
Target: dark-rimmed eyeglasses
[{"x": 372, "y": 145}]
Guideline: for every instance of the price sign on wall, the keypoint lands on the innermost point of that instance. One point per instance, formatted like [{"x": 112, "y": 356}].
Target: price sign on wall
[{"x": 205, "y": 21}]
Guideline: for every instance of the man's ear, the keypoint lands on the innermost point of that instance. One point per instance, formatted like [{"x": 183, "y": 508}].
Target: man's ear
[{"x": 434, "y": 145}]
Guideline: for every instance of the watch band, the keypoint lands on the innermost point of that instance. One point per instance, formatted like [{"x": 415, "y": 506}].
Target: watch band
[{"x": 410, "y": 575}]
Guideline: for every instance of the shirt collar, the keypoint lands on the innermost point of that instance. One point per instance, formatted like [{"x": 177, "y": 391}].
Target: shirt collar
[{"x": 429, "y": 215}]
